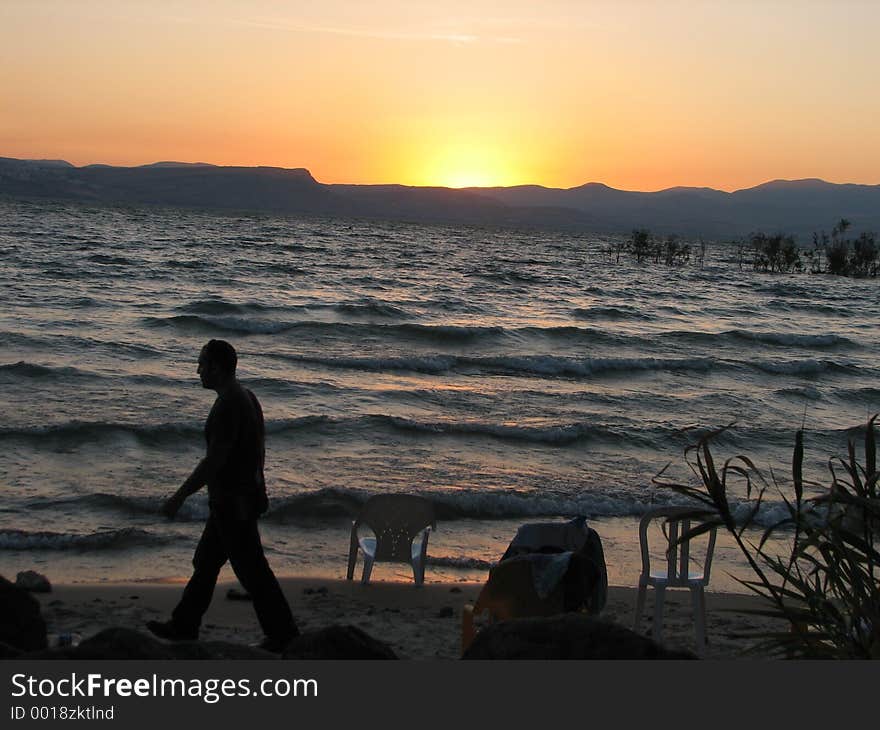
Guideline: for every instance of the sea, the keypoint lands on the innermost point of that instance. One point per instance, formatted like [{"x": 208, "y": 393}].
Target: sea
[{"x": 511, "y": 376}]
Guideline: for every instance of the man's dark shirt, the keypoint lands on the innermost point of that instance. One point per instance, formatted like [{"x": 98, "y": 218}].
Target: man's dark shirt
[{"x": 235, "y": 435}]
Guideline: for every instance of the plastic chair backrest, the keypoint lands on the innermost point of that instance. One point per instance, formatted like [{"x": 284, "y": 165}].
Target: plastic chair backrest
[
  {"x": 678, "y": 555},
  {"x": 396, "y": 519}
]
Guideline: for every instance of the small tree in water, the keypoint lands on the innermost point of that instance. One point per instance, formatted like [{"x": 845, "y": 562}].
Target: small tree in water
[
  {"x": 776, "y": 253},
  {"x": 851, "y": 257}
]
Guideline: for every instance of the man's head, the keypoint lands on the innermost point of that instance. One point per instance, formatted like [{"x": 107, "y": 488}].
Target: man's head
[{"x": 217, "y": 362}]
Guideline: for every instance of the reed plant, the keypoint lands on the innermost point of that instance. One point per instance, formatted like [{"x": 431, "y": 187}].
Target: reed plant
[{"x": 826, "y": 588}]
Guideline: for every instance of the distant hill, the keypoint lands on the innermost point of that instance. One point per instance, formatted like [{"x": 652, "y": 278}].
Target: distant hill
[{"x": 795, "y": 206}]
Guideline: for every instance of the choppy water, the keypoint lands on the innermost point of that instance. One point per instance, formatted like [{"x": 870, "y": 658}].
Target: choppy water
[{"x": 507, "y": 375}]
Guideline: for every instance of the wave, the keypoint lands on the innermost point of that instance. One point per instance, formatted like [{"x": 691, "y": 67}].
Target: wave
[
  {"x": 201, "y": 323},
  {"x": 104, "y": 540},
  {"x": 526, "y": 365},
  {"x": 506, "y": 276},
  {"x": 85, "y": 431},
  {"x": 802, "y": 393},
  {"x": 556, "y": 435},
  {"x": 286, "y": 269},
  {"x": 371, "y": 308},
  {"x": 862, "y": 396},
  {"x": 34, "y": 371},
  {"x": 619, "y": 312},
  {"x": 809, "y": 306},
  {"x": 101, "y": 500},
  {"x": 100, "y": 258},
  {"x": 218, "y": 306},
  {"x": 804, "y": 367},
  {"x": 338, "y": 504},
  {"x": 358, "y": 309},
  {"x": 160, "y": 433},
  {"x": 786, "y": 339},
  {"x": 780, "y": 339},
  {"x": 52, "y": 341},
  {"x": 233, "y": 318}
]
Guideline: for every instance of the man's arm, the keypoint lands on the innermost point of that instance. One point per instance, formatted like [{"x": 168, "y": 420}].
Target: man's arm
[{"x": 224, "y": 431}]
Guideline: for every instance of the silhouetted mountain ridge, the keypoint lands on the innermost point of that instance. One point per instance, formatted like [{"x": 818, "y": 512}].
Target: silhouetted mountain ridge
[{"x": 795, "y": 206}]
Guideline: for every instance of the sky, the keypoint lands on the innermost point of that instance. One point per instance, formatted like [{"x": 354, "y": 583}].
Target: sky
[{"x": 640, "y": 95}]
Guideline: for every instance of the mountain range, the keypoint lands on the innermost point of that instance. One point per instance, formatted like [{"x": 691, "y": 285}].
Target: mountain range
[{"x": 798, "y": 207}]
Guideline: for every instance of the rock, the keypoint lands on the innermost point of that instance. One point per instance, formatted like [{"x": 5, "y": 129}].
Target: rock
[
  {"x": 32, "y": 581},
  {"x": 565, "y": 636},
  {"x": 125, "y": 643},
  {"x": 21, "y": 623},
  {"x": 455, "y": 589},
  {"x": 338, "y": 642},
  {"x": 112, "y": 643},
  {"x": 218, "y": 650},
  {"x": 9, "y": 652}
]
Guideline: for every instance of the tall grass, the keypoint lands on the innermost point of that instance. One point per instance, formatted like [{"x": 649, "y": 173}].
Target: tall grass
[{"x": 827, "y": 588}]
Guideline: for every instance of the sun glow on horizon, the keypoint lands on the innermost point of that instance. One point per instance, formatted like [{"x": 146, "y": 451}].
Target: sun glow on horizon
[{"x": 469, "y": 164}]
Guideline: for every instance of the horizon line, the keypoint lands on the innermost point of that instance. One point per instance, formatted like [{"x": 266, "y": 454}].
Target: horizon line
[{"x": 444, "y": 187}]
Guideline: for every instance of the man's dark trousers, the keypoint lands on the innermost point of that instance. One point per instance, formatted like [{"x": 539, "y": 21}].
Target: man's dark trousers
[{"x": 228, "y": 537}]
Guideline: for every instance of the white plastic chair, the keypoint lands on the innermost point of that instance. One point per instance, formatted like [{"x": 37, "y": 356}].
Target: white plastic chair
[
  {"x": 401, "y": 524},
  {"x": 677, "y": 573}
]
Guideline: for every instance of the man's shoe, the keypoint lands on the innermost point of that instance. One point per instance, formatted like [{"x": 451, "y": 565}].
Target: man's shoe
[{"x": 171, "y": 631}]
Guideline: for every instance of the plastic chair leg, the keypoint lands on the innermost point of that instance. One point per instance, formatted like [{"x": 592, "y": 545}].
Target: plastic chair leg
[
  {"x": 352, "y": 563},
  {"x": 657, "y": 629},
  {"x": 418, "y": 569},
  {"x": 368, "y": 569},
  {"x": 640, "y": 605},
  {"x": 699, "y": 603}
]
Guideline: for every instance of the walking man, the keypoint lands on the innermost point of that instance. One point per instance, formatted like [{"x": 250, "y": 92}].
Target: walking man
[{"x": 233, "y": 470}]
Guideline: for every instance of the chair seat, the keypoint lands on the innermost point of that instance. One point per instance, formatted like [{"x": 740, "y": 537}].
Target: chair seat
[
  {"x": 663, "y": 577},
  {"x": 368, "y": 546},
  {"x": 398, "y": 526}
]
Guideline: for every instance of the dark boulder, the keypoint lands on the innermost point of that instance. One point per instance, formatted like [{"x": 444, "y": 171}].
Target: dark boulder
[
  {"x": 124, "y": 643},
  {"x": 21, "y": 623},
  {"x": 9, "y": 652},
  {"x": 34, "y": 582},
  {"x": 565, "y": 636},
  {"x": 112, "y": 643},
  {"x": 218, "y": 650},
  {"x": 338, "y": 642}
]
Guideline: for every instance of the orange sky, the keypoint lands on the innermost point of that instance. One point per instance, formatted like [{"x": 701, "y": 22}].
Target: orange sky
[{"x": 639, "y": 95}]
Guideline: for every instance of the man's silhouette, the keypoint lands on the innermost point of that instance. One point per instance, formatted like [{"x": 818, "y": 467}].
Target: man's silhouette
[{"x": 233, "y": 471}]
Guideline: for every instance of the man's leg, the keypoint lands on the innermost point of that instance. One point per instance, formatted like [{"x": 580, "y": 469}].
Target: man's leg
[
  {"x": 245, "y": 550},
  {"x": 209, "y": 557}
]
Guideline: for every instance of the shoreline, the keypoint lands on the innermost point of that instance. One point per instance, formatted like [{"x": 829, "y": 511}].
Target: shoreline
[{"x": 419, "y": 623}]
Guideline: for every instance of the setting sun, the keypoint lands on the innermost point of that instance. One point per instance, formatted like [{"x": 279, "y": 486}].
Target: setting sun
[{"x": 468, "y": 164}]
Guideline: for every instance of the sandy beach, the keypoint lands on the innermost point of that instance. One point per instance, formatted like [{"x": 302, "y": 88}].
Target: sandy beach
[{"x": 419, "y": 623}]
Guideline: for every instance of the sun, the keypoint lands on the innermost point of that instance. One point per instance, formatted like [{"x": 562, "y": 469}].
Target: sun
[{"x": 468, "y": 165}]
